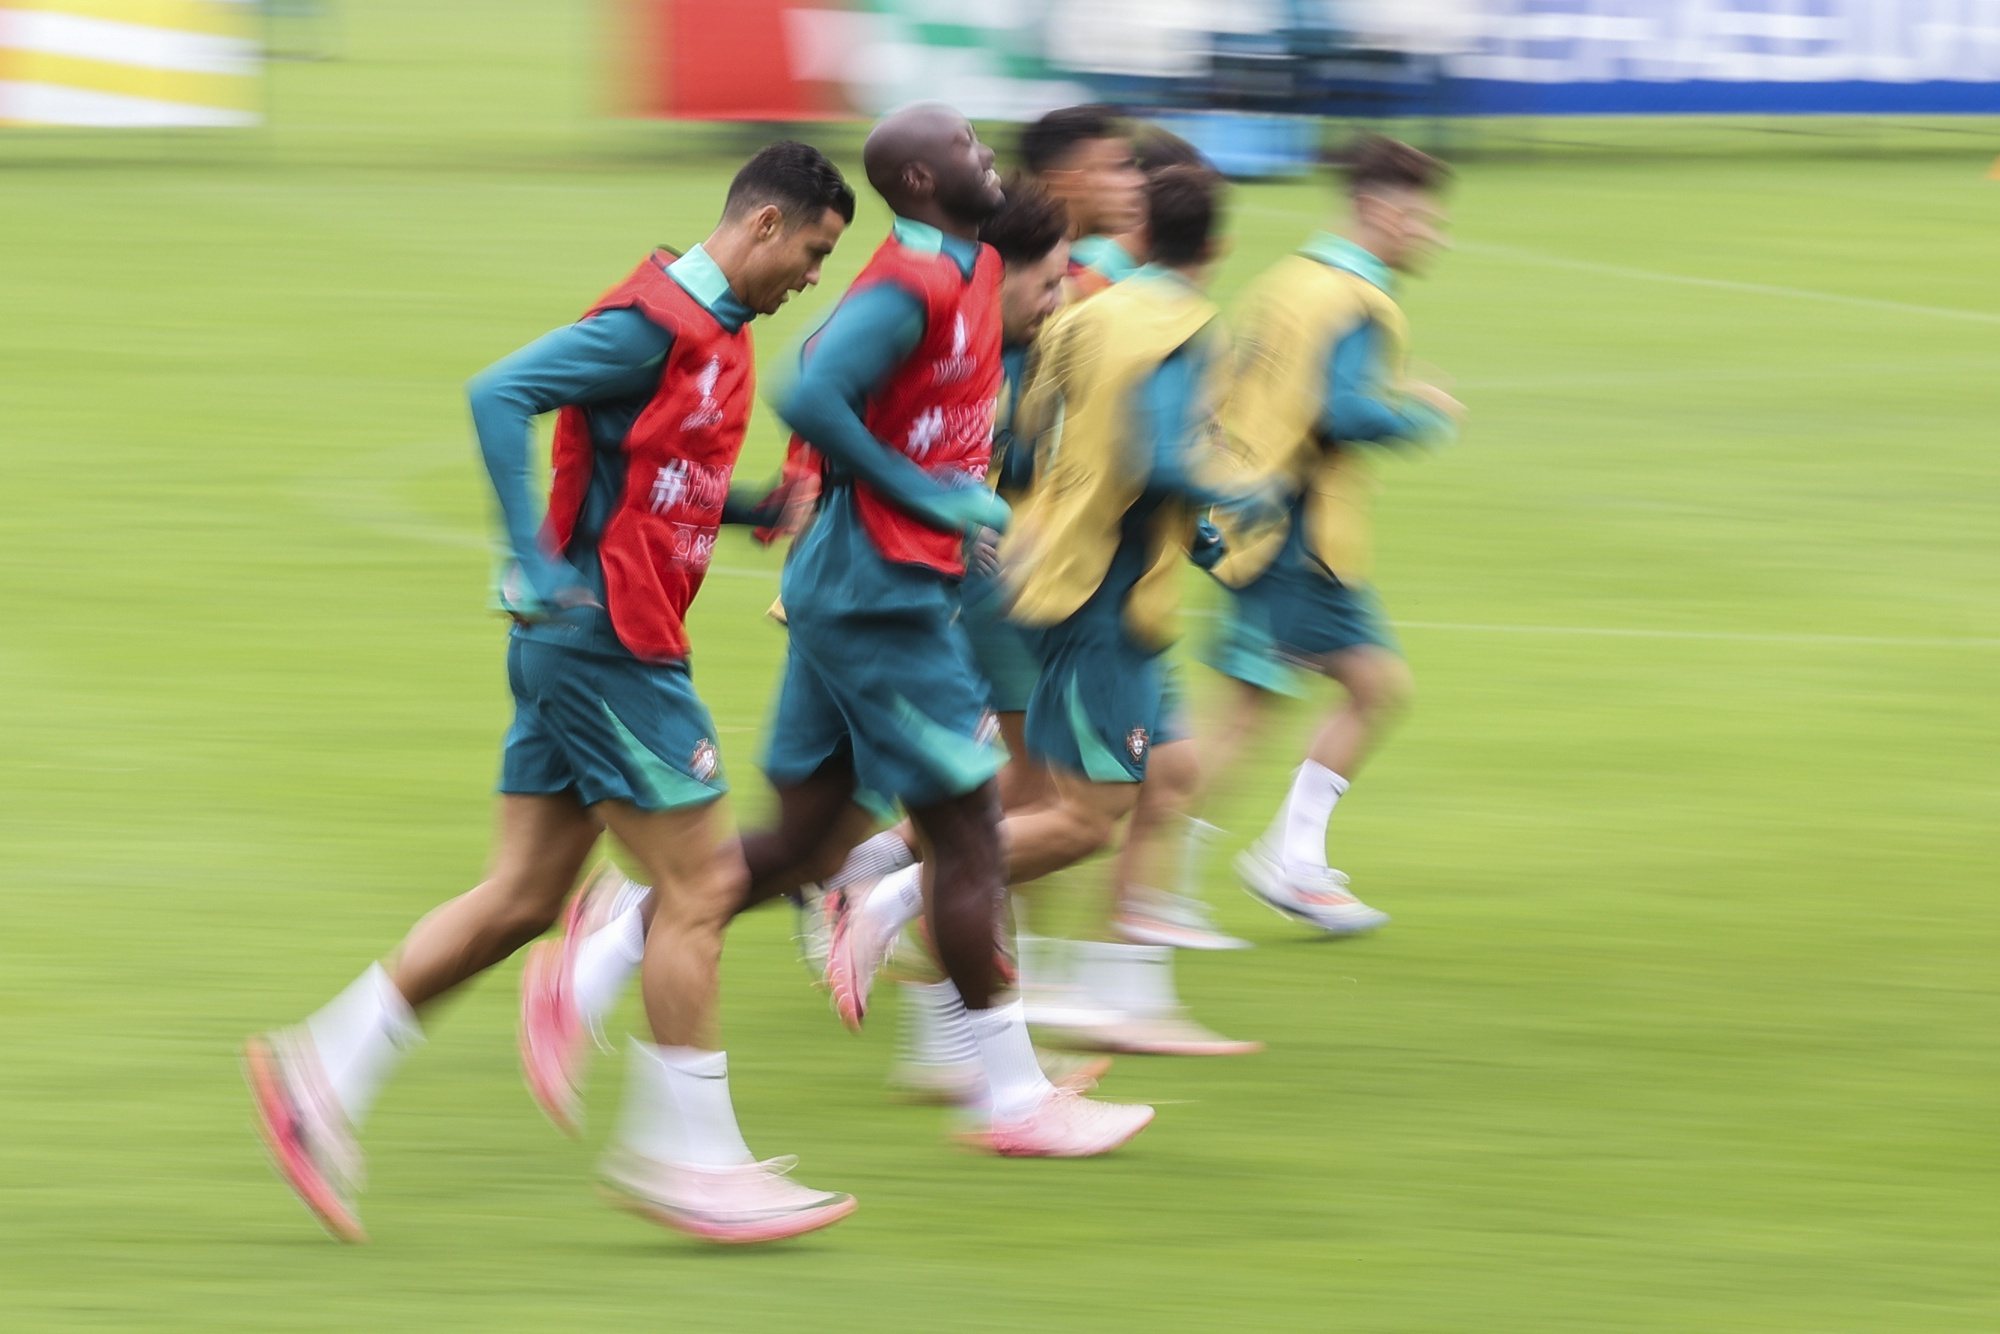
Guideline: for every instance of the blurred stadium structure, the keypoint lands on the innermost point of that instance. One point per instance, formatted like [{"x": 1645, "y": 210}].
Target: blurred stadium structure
[
  {"x": 1242, "y": 77},
  {"x": 136, "y": 63}
]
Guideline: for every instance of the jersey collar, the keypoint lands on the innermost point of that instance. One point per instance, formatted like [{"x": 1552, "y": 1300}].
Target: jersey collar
[
  {"x": 1106, "y": 256},
  {"x": 1340, "y": 253},
  {"x": 701, "y": 278},
  {"x": 925, "y": 239}
]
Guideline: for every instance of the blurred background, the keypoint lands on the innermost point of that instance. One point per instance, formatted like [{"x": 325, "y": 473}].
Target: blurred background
[{"x": 1687, "y": 1018}]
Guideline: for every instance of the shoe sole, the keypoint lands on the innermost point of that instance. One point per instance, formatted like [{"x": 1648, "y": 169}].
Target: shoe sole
[
  {"x": 843, "y": 979},
  {"x": 731, "y": 1234},
  {"x": 559, "y": 1105},
  {"x": 1169, "y": 1047},
  {"x": 981, "y": 1141},
  {"x": 288, "y": 1158},
  {"x": 1207, "y": 942}
]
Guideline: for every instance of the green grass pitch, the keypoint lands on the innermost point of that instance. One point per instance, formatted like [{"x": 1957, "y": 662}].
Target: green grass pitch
[{"x": 1687, "y": 1019}]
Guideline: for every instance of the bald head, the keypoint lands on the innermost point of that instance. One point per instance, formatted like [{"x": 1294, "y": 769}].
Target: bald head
[{"x": 927, "y": 163}]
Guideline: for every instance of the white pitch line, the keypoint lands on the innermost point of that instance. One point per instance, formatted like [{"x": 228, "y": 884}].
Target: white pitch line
[
  {"x": 1806, "y": 638},
  {"x": 1720, "y": 636},
  {"x": 1546, "y": 259},
  {"x": 1551, "y": 261}
]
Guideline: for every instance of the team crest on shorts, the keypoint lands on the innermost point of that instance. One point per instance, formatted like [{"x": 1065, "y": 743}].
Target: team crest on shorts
[
  {"x": 1135, "y": 743},
  {"x": 704, "y": 762}
]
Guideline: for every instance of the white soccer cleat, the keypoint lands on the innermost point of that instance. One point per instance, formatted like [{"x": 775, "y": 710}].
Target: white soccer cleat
[
  {"x": 1155, "y": 917},
  {"x": 1063, "y": 1124},
  {"x": 963, "y": 1083},
  {"x": 310, "y": 1141},
  {"x": 741, "y": 1205},
  {"x": 1171, "y": 1034},
  {"x": 1317, "y": 896}
]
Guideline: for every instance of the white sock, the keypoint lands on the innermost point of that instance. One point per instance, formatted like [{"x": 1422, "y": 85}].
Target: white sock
[
  {"x": 936, "y": 1030},
  {"x": 895, "y": 902},
  {"x": 1014, "y": 1079},
  {"x": 1043, "y": 961},
  {"x": 1300, "y": 831},
  {"x": 1135, "y": 980},
  {"x": 1194, "y": 845},
  {"x": 359, "y": 1036},
  {"x": 677, "y": 1108},
  {"x": 874, "y": 857},
  {"x": 608, "y": 956}
]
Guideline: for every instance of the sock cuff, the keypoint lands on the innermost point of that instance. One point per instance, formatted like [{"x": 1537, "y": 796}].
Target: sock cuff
[
  {"x": 397, "y": 1017},
  {"x": 686, "y": 1060}
]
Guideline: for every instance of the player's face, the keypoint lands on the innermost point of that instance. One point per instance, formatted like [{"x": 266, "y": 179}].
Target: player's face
[
  {"x": 967, "y": 186},
  {"x": 1412, "y": 223},
  {"x": 1030, "y": 293},
  {"x": 790, "y": 260},
  {"x": 1111, "y": 189}
]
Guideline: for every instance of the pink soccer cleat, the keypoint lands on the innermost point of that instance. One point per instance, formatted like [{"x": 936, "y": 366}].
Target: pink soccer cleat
[
  {"x": 1317, "y": 895},
  {"x": 738, "y": 1206},
  {"x": 858, "y": 945},
  {"x": 555, "y": 1046},
  {"x": 1173, "y": 1033},
  {"x": 1063, "y": 1124},
  {"x": 305, "y": 1130},
  {"x": 963, "y": 1083}
]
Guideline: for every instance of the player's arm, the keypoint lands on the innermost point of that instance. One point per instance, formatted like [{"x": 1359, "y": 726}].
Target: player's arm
[
  {"x": 1360, "y": 407},
  {"x": 870, "y": 333},
  {"x": 1178, "y": 440},
  {"x": 595, "y": 357}
]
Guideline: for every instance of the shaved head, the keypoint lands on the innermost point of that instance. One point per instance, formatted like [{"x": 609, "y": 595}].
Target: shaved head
[{"x": 927, "y": 163}]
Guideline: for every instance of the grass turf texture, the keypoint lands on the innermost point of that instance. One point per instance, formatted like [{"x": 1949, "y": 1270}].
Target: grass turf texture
[{"x": 1686, "y": 1020}]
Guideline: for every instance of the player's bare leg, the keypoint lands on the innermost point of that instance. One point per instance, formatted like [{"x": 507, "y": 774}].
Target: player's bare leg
[
  {"x": 1287, "y": 868},
  {"x": 1152, "y": 891},
  {"x": 680, "y": 1158},
  {"x": 313, "y": 1084}
]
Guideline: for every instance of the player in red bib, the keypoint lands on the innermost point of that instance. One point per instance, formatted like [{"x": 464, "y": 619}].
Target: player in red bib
[
  {"x": 654, "y": 387},
  {"x": 897, "y": 393}
]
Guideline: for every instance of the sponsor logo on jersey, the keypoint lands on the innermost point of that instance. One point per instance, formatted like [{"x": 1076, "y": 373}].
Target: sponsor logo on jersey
[
  {"x": 703, "y": 486},
  {"x": 956, "y": 365},
  {"x": 950, "y": 433},
  {"x": 708, "y": 412}
]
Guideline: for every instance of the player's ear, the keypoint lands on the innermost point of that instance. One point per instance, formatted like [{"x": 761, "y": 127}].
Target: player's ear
[{"x": 767, "y": 222}]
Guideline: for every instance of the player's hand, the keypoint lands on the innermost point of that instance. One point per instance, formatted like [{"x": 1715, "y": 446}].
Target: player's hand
[
  {"x": 541, "y": 588},
  {"x": 982, "y": 554},
  {"x": 1264, "y": 505},
  {"x": 1438, "y": 400},
  {"x": 1208, "y": 547},
  {"x": 971, "y": 507}
]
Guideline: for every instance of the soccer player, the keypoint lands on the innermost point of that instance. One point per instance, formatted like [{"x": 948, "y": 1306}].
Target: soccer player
[
  {"x": 1082, "y": 156},
  {"x": 1125, "y": 390},
  {"x": 939, "y": 1060},
  {"x": 654, "y": 388},
  {"x": 897, "y": 393},
  {"x": 1321, "y": 385}
]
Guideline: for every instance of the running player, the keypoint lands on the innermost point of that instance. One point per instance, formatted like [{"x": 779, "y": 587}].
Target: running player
[
  {"x": 1083, "y": 157},
  {"x": 1126, "y": 388},
  {"x": 654, "y": 387},
  {"x": 1321, "y": 385}
]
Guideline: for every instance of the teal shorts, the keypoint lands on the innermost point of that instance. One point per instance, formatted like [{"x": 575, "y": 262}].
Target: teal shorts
[
  {"x": 1002, "y": 651},
  {"x": 1101, "y": 703},
  {"x": 608, "y": 729},
  {"x": 894, "y": 694},
  {"x": 1292, "y": 614}
]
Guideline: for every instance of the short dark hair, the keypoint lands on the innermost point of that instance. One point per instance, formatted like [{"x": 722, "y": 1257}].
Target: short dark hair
[
  {"x": 1049, "y": 141},
  {"x": 1028, "y": 225},
  {"x": 796, "y": 177},
  {"x": 1375, "y": 160},
  {"x": 1183, "y": 208},
  {"x": 1155, "y": 149}
]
